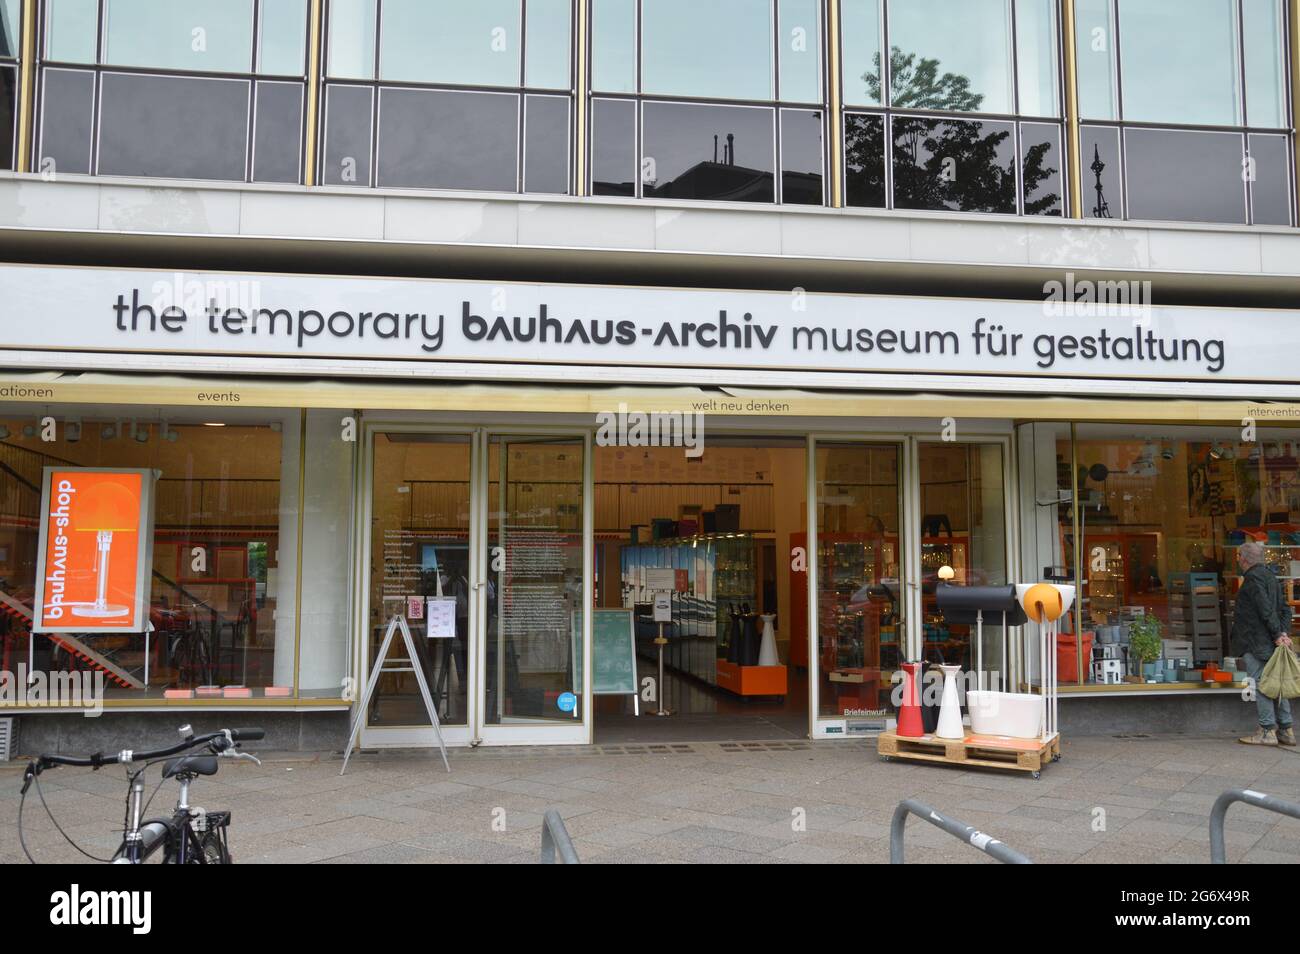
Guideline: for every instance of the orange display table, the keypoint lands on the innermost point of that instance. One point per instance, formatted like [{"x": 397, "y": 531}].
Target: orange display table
[{"x": 752, "y": 680}]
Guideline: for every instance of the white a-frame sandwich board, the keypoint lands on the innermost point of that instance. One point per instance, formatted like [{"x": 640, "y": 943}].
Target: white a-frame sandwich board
[{"x": 379, "y": 668}]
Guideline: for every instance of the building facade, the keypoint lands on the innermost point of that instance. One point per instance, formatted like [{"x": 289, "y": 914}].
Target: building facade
[{"x": 478, "y": 314}]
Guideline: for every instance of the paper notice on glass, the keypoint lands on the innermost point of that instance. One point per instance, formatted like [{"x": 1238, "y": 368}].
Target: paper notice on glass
[{"x": 442, "y": 617}]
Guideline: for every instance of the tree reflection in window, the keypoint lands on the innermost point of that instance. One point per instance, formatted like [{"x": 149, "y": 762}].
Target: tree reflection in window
[{"x": 952, "y": 164}]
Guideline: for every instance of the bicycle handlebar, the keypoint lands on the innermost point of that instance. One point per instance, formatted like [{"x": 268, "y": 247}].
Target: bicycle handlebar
[{"x": 226, "y": 737}]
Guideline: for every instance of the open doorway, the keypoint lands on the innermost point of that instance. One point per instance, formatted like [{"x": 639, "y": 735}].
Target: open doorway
[{"x": 724, "y": 523}]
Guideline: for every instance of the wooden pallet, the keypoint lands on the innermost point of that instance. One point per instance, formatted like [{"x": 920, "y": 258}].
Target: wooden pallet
[{"x": 1020, "y": 755}]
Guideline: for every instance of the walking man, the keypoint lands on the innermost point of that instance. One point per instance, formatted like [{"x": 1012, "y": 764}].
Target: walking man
[{"x": 1261, "y": 622}]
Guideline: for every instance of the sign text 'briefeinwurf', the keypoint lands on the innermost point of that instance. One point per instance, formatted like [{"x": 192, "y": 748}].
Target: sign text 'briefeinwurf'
[{"x": 674, "y": 329}]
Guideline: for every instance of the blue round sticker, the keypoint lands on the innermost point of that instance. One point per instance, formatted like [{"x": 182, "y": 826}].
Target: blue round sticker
[{"x": 567, "y": 702}]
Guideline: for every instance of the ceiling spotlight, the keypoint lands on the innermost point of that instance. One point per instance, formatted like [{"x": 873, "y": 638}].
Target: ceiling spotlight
[
  {"x": 4, "y": 433},
  {"x": 107, "y": 432},
  {"x": 72, "y": 432},
  {"x": 173, "y": 435},
  {"x": 29, "y": 430},
  {"x": 142, "y": 435}
]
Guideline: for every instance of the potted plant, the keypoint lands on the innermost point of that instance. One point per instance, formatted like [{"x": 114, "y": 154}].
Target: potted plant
[{"x": 1144, "y": 643}]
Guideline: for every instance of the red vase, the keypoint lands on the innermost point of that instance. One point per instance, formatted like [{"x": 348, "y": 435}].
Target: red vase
[{"x": 910, "y": 723}]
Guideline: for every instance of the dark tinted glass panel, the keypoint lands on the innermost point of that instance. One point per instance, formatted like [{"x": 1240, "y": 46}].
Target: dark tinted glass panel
[
  {"x": 801, "y": 157},
  {"x": 546, "y": 144},
  {"x": 1184, "y": 176},
  {"x": 707, "y": 152},
  {"x": 173, "y": 127},
  {"x": 955, "y": 165},
  {"x": 8, "y": 85},
  {"x": 720, "y": 48},
  {"x": 613, "y": 147},
  {"x": 347, "y": 136},
  {"x": 1271, "y": 188},
  {"x": 437, "y": 139},
  {"x": 1099, "y": 152},
  {"x": 864, "y": 160},
  {"x": 277, "y": 139},
  {"x": 67, "y": 110},
  {"x": 1041, "y": 172}
]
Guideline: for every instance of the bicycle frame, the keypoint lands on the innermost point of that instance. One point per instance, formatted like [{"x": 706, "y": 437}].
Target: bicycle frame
[{"x": 177, "y": 837}]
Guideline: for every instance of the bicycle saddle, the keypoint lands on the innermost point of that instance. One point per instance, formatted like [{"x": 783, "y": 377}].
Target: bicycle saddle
[{"x": 190, "y": 765}]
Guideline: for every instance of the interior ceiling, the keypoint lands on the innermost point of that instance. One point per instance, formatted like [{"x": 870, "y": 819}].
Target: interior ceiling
[{"x": 595, "y": 266}]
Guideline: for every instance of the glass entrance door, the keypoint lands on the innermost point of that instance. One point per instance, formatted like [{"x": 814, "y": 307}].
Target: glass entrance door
[
  {"x": 533, "y": 647},
  {"x": 420, "y": 553}
]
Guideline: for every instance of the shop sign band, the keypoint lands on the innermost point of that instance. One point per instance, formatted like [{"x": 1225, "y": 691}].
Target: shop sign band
[{"x": 52, "y": 309}]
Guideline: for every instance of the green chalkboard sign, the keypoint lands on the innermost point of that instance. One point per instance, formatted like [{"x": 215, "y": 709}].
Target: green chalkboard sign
[{"x": 613, "y": 653}]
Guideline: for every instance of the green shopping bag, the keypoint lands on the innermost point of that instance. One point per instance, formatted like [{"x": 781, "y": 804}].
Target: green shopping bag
[{"x": 1281, "y": 676}]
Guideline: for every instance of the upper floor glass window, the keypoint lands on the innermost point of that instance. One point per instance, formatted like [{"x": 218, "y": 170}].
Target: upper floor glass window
[
  {"x": 721, "y": 100},
  {"x": 222, "y": 84},
  {"x": 442, "y": 94},
  {"x": 938, "y": 123},
  {"x": 11, "y": 20},
  {"x": 1184, "y": 104}
]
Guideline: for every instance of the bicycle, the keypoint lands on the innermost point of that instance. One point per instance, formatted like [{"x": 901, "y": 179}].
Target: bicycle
[{"x": 189, "y": 835}]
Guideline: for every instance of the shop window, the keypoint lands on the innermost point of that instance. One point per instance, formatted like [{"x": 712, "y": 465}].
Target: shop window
[
  {"x": 959, "y": 165},
  {"x": 445, "y": 139},
  {"x": 678, "y": 164},
  {"x": 215, "y": 566},
  {"x": 1163, "y": 162},
  {"x": 1161, "y": 514}
]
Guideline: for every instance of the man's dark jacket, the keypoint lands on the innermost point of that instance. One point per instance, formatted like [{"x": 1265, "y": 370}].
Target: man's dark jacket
[{"x": 1261, "y": 614}]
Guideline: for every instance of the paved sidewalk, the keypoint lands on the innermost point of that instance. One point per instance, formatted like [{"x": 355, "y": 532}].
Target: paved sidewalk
[{"x": 702, "y": 802}]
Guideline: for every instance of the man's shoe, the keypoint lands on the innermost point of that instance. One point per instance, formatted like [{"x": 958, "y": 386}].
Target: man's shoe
[
  {"x": 1261, "y": 737},
  {"x": 1286, "y": 736}
]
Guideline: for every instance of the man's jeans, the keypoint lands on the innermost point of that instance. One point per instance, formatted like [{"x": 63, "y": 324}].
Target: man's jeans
[{"x": 1273, "y": 713}]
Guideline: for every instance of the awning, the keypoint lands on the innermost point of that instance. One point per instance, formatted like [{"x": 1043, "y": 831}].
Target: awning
[{"x": 53, "y": 387}]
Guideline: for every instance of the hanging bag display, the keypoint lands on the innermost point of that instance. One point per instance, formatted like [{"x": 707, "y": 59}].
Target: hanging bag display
[{"x": 1281, "y": 676}]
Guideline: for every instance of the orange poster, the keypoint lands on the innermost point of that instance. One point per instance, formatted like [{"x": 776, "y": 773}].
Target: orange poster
[{"x": 95, "y": 535}]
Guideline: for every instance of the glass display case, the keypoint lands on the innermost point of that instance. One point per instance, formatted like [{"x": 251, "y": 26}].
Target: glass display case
[{"x": 715, "y": 573}]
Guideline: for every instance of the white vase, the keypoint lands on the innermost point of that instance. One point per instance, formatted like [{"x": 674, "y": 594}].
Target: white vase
[
  {"x": 950, "y": 726},
  {"x": 767, "y": 648}
]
